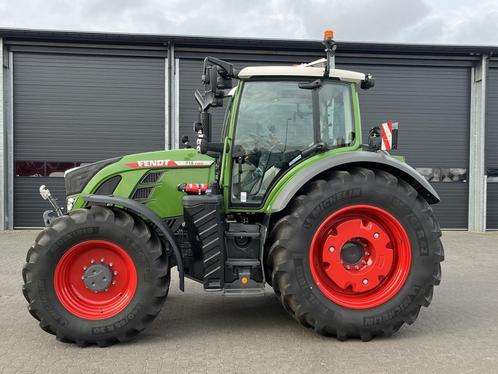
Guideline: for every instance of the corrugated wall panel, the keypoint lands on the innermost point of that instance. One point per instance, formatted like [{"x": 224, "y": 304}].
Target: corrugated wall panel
[
  {"x": 492, "y": 146},
  {"x": 2, "y": 137},
  {"x": 190, "y": 80},
  {"x": 82, "y": 108},
  {"x": 492, "y": 212},
  {"x": 453, "y": 208},
  {"x": 431, "y": 104},
  {"x": 28, "y": 205},
  {"x": 64, "y": 103}
]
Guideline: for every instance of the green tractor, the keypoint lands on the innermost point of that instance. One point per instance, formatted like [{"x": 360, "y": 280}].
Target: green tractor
[{"x": 342, "y": 231}]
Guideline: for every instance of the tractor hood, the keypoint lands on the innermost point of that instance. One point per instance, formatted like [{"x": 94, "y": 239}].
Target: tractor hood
[{"x": 148, "y": 177}]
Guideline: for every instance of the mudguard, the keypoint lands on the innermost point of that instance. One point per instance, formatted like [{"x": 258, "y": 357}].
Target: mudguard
[
  {"x": 143, "y": 211},
  {"x": 380, "y": 160}
]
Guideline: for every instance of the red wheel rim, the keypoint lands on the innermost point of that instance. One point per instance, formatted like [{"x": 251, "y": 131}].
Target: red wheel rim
[
  {"x": 382, "y": 257},
  {"x": 73, "y": 279}
]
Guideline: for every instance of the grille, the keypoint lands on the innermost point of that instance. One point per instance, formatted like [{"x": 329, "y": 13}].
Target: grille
[
  {"x": 152, "y": 177},
  {"x": 142, "y": 193}
]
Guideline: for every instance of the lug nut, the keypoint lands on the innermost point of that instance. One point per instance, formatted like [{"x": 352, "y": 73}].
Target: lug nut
[
  {"x": 82, "y": 277},
  {"x": 110, "y": 264},
  {"x": 367, "y": 253},
  {"x": 331, "y": 249},
  {"x": 84, "y": 268},
  {"x": 115, "y": 273},
  {"x": 348, "y": 267},
  {"x": 376, "y": 235},
  {"x": 365, "y": 281},
  {"x": 113, "y": 282},
  {"x": 102, "y": 259},
  {"x": 356, "y": 267},
  {"x": 92, "y": 261},
  {"x": 106, "y": 290}
]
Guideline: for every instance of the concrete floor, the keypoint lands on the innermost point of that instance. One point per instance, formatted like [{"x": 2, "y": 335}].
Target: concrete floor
[{"x": 206, "y": 332}]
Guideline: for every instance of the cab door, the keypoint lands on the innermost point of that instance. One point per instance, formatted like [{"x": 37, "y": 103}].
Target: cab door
[{"x": 275, "y": 122}]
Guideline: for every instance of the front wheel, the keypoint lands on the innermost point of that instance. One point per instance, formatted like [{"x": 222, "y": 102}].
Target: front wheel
[
  {"x": 96, "y": 276},
  {"x": 356, "y": 255}
]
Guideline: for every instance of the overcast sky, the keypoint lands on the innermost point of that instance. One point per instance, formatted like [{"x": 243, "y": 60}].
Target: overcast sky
[{"x": 419, "y": 21}]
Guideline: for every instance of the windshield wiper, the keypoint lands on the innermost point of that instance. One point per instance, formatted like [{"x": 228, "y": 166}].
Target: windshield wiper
[{"x": 312, "y": 149}]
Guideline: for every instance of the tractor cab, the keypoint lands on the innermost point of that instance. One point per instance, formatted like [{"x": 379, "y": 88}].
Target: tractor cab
[{"x": 276, "y": 118}]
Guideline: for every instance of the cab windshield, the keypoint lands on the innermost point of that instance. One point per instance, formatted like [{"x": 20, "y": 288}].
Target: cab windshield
[{"x": 276, "y": 121}]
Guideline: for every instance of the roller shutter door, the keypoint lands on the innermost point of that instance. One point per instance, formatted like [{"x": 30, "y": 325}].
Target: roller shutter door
[
  {"x": 190, "y": 80},
  {"x": 79, "y": 108},
  {"x": 432, "y": 106},
  {"x": 431, "y": 103},
  {"x": 492, "y": 146}
]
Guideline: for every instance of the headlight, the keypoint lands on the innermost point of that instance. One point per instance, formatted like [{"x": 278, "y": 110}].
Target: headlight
[
  {"x": 70, "y": 203},
  {"x": 77, "y": 178}
]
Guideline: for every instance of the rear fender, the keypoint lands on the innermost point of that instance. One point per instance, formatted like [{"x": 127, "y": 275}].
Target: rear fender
[{"x": 377, "y": 160}]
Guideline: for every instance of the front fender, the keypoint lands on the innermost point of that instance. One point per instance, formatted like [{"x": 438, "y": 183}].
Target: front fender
[
  {"x": 379, "y": 160},
  {"x": 146, "y": 212}
]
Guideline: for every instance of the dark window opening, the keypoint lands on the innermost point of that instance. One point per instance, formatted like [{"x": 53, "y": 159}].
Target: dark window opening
[
  {"x": 445, "y": 175},
  {"x": 43, "y": 168}
]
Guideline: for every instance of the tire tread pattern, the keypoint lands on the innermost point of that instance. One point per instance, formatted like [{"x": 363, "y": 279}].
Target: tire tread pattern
[{"x": 279, "y": 259}]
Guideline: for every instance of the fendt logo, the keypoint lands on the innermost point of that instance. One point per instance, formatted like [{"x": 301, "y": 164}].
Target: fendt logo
[{"x": 161, "y": 164}]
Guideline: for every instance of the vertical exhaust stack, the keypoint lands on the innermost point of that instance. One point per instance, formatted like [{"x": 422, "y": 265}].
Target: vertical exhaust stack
[{"x": 330, "y": 47}]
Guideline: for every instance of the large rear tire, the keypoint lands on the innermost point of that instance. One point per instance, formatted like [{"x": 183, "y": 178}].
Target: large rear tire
[
  {"x": 356, "y": 254},
  {"x": 96, "y": 276}
]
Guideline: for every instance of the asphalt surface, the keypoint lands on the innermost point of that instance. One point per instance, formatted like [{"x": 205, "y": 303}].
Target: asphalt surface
[{"x": 207, "y": 332}]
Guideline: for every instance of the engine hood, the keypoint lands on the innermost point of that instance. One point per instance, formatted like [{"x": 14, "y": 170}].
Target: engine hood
[
  {"x": 151, "y": 178},
  {"x": 179, "y": 158}
]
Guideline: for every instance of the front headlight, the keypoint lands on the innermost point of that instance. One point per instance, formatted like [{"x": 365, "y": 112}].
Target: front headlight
[
  {"x": 70, "y": 203},
  {"x": 77, "y": 178}
]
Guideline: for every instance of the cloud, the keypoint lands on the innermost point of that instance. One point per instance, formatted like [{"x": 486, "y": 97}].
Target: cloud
[{"x": 442, "y": 21}]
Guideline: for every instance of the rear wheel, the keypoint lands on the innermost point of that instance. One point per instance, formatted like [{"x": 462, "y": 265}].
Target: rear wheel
[
  {"x": 96, "y": 276},
  {"x": 356, "y": 255}
]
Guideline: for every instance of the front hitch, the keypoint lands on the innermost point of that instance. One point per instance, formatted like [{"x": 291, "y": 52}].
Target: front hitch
[{"x": 50, "y": 215}]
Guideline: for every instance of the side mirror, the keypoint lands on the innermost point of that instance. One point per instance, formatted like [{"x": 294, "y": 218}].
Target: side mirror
[
  {"x": 368, "y": 82},
  {"x": 374, "y": 139}
]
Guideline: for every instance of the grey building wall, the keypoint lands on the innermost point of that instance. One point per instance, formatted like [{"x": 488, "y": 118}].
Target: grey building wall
[
  {"x": 426, "y": 88},
  {"x": 492, "y": 146},
  {"x": 2, "y": 147},
  {"x": 80, "y": 108},
  {"x": 430, "y": 99}
]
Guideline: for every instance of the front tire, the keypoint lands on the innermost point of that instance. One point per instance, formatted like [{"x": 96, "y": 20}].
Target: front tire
[
  {"x": 356, "y": 254},
  {"x": 96, "y": 276}
]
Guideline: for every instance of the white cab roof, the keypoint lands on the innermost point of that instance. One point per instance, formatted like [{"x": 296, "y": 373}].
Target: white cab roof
[{"x": 299, "y": 71}]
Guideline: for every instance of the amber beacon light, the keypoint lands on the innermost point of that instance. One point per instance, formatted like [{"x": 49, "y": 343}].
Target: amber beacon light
[{"x": 328, "y": 34}]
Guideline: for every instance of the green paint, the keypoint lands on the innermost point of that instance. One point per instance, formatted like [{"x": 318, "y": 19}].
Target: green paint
[{"x": 166, "y": 200}]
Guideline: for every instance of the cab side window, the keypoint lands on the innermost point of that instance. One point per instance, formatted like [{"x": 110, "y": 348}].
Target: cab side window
[
  {"x": 274, "y": 124},
  {"x": 336, "y": 114}
]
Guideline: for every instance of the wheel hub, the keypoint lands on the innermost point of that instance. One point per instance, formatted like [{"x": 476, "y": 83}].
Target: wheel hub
[
  {"x": 352, "y": 252},
  {"x": 360, "y": 256},
  {"x": 98, "y": 277},
  {"x": 95, "y": 279}
]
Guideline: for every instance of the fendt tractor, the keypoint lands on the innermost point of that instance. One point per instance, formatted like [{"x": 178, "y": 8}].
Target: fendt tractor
[{"x": 342, "y": 231}]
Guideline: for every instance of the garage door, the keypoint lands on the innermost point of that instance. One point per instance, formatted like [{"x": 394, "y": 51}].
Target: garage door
[
  {"x": 190, "y": 80},
  {"x": 72, "y": 109},
  {"x": 432, "y": 106},
  {"x": 492, "y": 146}
]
